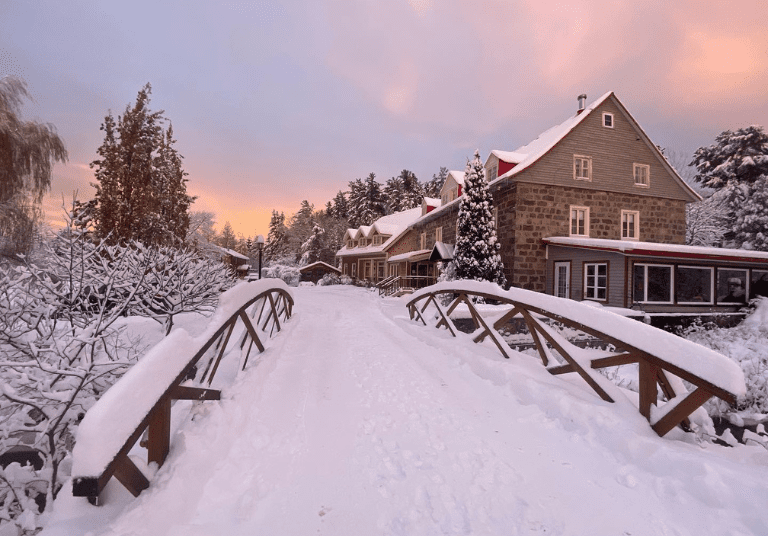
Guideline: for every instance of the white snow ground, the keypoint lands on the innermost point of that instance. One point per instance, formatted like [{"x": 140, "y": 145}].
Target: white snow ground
[{"x": 356, "y": 421}]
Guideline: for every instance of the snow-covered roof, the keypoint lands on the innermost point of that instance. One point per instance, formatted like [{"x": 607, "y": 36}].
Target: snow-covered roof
[
  {"x": 319, "y": 264},
  {"x": 364, "y": 231},
  {"x": 631, "y": 247},
  {"x": 393, "y": 225},
  {"x": 432, "y": 202},
  {"x": 458, "y": 176},
  {"x": 441, "y": 252},
  {"x": 508, "y": 156},
  {"x": 231, "y": 252},
  {"x": 417, "y": 255},
  {"x": 530, "y": 153}
]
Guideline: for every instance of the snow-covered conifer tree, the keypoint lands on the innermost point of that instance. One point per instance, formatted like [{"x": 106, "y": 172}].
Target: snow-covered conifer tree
[
  {"x": 737, "y": 165},
  {"x": 477, "y": 253}
]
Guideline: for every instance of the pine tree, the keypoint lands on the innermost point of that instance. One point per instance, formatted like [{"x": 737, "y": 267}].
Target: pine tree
[
  {"x": 140, "y": 189},
  {"x": 312, "y": 248},
  {"x": 737, "y": 166},
  {"x": 227, "y": 239},
  {"x": 277, "y": 238},
  {"x": 477, "y": 253},
  {"x": 413, "y": 191},
  {"x": 340, "y": 206},
  {"x": 367, "y": 202},
  {"x": 433, "y": 187},
  {"x": 393, "y": 191}
]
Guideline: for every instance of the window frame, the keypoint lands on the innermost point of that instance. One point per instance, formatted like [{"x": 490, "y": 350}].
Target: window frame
[
  {"x": 746, "y": 282},
  {"x": 571, "y": 209},
  {"x": 711, "y": 284},
  {"x": 646, "y": 265},
  {"x": 423, "y": 240},
  {"x": 647, "y": 168},
  {"x": 493, "y": 173},
  {"x": 635, "y": 226},
  {"x": 438, "y": 234},
  {"x": 585, "y": 290},
  {"x": 569, "y": 272},
  {"x": 606, "y": 115},
  {"x": 583, "y": 158}
]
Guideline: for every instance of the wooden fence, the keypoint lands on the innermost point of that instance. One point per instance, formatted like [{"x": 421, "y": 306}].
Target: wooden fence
[
  {"x": 663, "y": 358},
  {"x": 142, "y": 399}
]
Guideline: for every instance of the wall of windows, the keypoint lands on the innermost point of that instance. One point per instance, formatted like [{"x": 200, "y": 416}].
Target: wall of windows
[{"x": 696, "y": 285}]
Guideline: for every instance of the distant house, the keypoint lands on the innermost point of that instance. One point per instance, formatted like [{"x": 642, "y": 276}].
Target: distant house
[
  {"x": 363, "y": 256},
  {"x": 237, "y": 261},
  {"x": 316, "y": 271}
]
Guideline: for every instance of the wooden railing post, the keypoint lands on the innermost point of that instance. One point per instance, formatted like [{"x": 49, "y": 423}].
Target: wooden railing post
[{"x": 159, "y": 432}]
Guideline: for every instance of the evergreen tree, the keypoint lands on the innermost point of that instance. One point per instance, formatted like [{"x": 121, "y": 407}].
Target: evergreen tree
[
  {"x": 413, "y": 191},
  {"x": 393, "y": 191},
  {"x": 737, "y": 166},
  {"x": 140, "y": 189},
  {"x": 340, "y": 206},
  {"x": 277, "y": 238},
  {"x": 367, "y": 202},
  {"x": 433, "y": 187},
  {"x": 28, "y": 150},
  {"x": 227, "y": 238},
  {"x": 312, "y": 248},
  {"x": 477, "y": 253}
]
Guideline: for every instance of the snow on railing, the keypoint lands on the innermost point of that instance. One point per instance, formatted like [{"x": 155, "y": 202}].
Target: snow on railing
[
  {"x": 663, "y": 358},
  {"x": 141, "y": 400}
]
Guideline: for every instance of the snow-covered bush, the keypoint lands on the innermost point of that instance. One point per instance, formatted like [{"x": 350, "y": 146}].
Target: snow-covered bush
[
  {"x": 181, "y": 281},
  {"x": 747, "y": 344},
  {"x": 346, "y": 280},
  {"x": 287, "y": 272},
  {"x": 330, "y": 279}
]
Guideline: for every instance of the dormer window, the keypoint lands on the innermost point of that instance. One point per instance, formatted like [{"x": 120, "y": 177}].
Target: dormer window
[
  {"x": 350, "y": 244},
  {"x": 493, "y": 173},
  {"x": 607, "y": 120},
  {"x": 377, "y": 240}
]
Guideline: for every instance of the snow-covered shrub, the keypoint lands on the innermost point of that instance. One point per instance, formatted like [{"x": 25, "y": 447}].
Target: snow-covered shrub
[
  {"x": 182, "y": 280},
  {"x": 346, "y": 280},
  {"x": 747, "y": 344},
  {"x": 330, "y": 279},
  {"x": 287, "y": 272}
]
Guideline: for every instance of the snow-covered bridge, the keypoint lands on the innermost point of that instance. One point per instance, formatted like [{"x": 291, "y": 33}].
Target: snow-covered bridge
[{"x": 356, "y": 420}]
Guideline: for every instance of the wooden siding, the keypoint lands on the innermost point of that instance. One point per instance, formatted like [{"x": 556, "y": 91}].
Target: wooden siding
[
  {"x": 613, "y": 152},
  {"x": 578, "y": 257}
]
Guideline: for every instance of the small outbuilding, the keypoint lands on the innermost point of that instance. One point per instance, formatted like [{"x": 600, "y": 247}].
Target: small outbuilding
[{"x": 314, "y": 272}]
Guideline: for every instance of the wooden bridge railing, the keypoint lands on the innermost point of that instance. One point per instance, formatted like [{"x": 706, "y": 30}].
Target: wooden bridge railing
[
  {"x": 663, "y": 359},
  {"x": 142, "y": 399}
]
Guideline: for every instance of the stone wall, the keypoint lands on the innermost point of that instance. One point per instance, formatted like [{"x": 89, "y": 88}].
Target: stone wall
[{"x": 529, "y": 212}]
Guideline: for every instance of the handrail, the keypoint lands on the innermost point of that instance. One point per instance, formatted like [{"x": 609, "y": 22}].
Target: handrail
[
  {"x": 141, "y": 400},
  {"x": 663, "y": 359},
  {"x": 392, "y": 284}
]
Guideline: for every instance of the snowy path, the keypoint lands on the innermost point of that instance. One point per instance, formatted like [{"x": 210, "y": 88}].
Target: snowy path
[{"x": 358, "y": 422}]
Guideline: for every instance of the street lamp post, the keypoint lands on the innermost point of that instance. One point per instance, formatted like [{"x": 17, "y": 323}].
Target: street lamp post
[{"x": 260, "y": 244}]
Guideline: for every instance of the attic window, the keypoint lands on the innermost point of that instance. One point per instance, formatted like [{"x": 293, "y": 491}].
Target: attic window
[
  {"x": 607, "y": 120},
  {"x": 493, "y": 173}
]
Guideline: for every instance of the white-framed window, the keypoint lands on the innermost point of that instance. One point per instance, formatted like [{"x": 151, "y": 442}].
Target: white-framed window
[
  {"x": 378, "y": 240},
  {"x": 444, "y": 199},
  {"x": 694, "y": 285},
  {"x": 493, "y": 173},
  {"x": 354, "y": 269},
  {"x": 582, "y": 167},
  {"x": 361, "y": 242},
  {"x": 423, "y": 241},
  {"x": 642, "y": 174},
  {"x": 394, "y": 269},
  {"x": 652, "y": 283},
  {"x": 596, "y": 281},
  {"x": 579, "y": 221},
  {"x": 350, "y": 243},
  {"x": 630, "y": 225},
  {"x": 732, "y": 286},
  {"x": 346, "y": 268},
  {"x": 607, "y": 120},
  {"x": 438, "y": 234},
  {"x": 562, "y": 287}
]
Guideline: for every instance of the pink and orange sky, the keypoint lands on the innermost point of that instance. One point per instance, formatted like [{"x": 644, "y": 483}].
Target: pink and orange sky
[{"x": 273, "y": 102}]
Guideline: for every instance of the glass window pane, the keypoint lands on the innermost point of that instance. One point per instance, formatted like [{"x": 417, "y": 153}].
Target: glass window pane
[
  {"x": 731, "y": 286},
  {"x": 693, "y": 285},
  {"x": 638, "y": 284},
  {"x": 759, "y": 286},
  {"x": 659, "y": 283}
]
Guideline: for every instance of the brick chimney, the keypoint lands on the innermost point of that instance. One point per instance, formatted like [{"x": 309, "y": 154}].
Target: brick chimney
[{"x": 582, "y": 103}]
